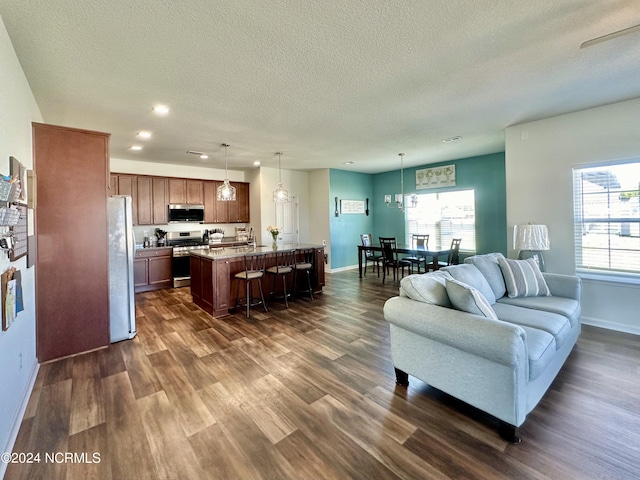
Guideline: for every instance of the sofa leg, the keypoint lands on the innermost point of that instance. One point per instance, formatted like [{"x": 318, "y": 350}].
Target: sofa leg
[
  {"x": 509, "y": 432},
  {"x": 402, "y": 378}
]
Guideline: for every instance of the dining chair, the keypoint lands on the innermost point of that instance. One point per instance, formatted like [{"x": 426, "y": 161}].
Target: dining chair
[
  {"x": 419, "y": 242},
  {"x": 454, "y": 254},
  {"x": 370, "y": 255},
  {"x": 389, "y": 251},
  {"x": 253, "y": 271},
  {"x": 305, "y": 264},
  {"x": 283, "y": 267}
]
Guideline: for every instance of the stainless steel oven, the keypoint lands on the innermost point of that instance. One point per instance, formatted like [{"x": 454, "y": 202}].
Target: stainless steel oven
[{"x": 183, "y": 243}]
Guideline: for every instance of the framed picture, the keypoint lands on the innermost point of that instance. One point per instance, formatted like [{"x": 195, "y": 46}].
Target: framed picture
[
  {"x": 19, "y": 170},
  {"x": 351, "y": 206}
]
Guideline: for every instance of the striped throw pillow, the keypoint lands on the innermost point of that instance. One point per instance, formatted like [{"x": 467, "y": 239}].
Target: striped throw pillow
[
  {"x": 523, "y": 278},
  {"x": 465, "y": 298}
]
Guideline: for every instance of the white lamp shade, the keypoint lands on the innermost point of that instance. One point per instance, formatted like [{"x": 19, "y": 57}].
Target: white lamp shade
[{"x": 530, "y": 237}]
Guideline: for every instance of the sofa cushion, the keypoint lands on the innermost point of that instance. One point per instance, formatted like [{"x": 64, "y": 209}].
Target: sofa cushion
[
  {"x": 553, "y": 323},
  {"x": 567, "y": 307},
  {"x": 489, "y": 267},
  {"x": 472, "y": 276},
  {"x": 523, "y": 278},
  {"x": 427, "y": 288},
  {"x": 541, "y": 347},
  {"x": 468, "y": 299}
]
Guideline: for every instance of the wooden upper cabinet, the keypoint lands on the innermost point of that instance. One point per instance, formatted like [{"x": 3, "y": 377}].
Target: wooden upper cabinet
[
  {"x": 160, "y": 189},
  {"x": 226, "y": 212},
  {"x": 128, "y": 185},
  {"x": 145, "y": 201},
  {"x": 239, "y": 210},
  {"x": 113, "y": 184},
  {"x": 195, "y": 193},
  {"x": 209, "y": 202},
  {"x": 183, "y": 191}
]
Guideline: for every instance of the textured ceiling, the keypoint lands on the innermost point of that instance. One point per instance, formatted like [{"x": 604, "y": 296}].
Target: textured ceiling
[{"x": 325, "y": 82}]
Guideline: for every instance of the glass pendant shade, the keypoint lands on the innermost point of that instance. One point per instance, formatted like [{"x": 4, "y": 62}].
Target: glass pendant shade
[
  {"x": 280, "y": 194},
  {"x": 226, "y": 192}
]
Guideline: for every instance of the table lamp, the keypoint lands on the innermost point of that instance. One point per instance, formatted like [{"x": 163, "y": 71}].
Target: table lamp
[{"x": 530, "y": 240}]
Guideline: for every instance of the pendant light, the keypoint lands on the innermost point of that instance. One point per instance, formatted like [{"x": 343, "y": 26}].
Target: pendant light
[
  {"x": 280, "y": 194},
  {"x": 399, "y": 197},
  {"x": 226, "y": 192}
]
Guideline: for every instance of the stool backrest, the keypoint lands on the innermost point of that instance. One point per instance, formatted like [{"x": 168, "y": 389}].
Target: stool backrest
[
  {"x": 285, "y": 260},
  {"x": 254, "y": 262}
]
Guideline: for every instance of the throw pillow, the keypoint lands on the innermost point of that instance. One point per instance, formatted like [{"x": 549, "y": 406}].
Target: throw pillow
[
  {"x": 427, "y": 288},
  {"x": 489, "y": 267},
  {"x": 468, "y": 299},
  {"x": 471, "y": 275},
  {"x": 523, "y": 278}
]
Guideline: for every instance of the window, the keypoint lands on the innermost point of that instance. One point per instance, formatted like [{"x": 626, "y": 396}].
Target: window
[
  {"x": 444, "y": 216},
  {"x": 607, "y": 218}
]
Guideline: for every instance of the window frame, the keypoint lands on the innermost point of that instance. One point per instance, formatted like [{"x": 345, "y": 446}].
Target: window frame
[
  {"x": 466, "y": 247},
  {"x": 611, "y": 213}
]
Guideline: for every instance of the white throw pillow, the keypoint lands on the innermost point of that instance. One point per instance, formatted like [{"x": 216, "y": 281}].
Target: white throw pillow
[
  {"x": 523, "y": 278},
  {"x": 468, "y": 299},
  {"x": 427, "y": 288}
]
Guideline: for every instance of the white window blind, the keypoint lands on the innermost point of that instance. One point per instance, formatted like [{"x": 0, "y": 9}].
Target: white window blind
[
  {"x": 607, "y": 218},
  {"x": 444, "y": 216}
]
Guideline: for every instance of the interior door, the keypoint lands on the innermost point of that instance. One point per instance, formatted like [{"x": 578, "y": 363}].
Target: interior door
[{"x": 287, "y": 218}]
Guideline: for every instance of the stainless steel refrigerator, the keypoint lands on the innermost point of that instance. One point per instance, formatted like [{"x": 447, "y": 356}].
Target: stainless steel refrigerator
[{"x": 122, "y": 313}]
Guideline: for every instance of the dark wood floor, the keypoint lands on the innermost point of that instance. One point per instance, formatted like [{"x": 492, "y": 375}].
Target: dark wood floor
[{"x": 309, "y": 393}]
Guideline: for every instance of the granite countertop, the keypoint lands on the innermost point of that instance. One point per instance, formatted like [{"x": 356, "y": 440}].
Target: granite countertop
[{"x": 241, "y": 251}]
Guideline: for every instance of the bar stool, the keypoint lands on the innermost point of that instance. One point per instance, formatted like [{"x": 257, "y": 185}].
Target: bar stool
[
  {"x": 253, "y": 270},
  {"x": 305, "y": 264},
  {"x": 284, "y": 266}
]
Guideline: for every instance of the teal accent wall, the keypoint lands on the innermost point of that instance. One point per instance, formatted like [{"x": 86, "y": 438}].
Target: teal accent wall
[
  {"x": 346, "y": 229},
  {"x": 485, "y": 174}
]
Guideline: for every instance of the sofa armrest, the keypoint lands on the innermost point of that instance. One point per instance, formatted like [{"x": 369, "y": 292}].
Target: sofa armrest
[
  {"x": 494, "y": 340},
  {"x": 568, "y": 286}
]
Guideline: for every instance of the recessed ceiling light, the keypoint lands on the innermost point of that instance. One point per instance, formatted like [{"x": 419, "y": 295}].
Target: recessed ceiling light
[
  {"x": 348, "y": 163},
  {"x": 161, "y": 109},
  {"x": 256, "y": 163},
  {"x": 136, "y": 148},
  {"x": 144, "y": 134},
  {"x": 204, "y": 156},
  {"x": 451, "y": 139}
]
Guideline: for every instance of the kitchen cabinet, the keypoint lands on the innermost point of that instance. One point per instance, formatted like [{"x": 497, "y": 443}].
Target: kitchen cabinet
[
  {"x": 210, "y": 284},
  {"x": 226, "y": 212},
  {"x": 152, "y": 200},
  {"x": 152, "y": 269},
  {"x": 127, "y": 185},
  {"x": 186, "y": 191},
  {"x": 239, "y": 210},
  {"x": 72, "y": 281}
]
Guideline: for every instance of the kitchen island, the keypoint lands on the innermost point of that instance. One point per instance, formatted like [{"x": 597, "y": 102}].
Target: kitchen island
[{"x": 213, "y": 286}]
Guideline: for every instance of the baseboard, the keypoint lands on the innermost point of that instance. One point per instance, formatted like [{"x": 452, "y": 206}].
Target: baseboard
[
  {"x": 342, "y": 269},
  {"x": 618, "y": 327},
  {"x": 19, "y": 415}
]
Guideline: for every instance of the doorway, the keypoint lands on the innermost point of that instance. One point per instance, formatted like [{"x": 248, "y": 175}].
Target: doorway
[{"x": 287, "y": 218}]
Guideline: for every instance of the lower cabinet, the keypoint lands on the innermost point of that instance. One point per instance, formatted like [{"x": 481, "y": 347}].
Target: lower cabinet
[{"x": 152, "y": 269}]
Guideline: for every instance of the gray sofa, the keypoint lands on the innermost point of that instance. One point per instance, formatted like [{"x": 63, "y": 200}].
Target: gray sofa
[{"x": 491, "y": 332}]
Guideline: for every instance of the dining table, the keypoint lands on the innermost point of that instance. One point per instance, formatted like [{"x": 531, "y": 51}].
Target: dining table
[{"x": 434, "y": 254}]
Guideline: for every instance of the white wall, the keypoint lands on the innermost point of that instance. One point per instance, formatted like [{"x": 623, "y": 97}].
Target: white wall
[
  {"x": 319, "y": 191},
  {"x": 18, "y": 364},
  {"x": 297, "y": 184},
  {"x": 539, "y": 160}
]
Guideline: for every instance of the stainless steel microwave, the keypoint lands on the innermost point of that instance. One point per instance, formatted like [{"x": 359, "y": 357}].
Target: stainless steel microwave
[{"x": 186, "y": 213}]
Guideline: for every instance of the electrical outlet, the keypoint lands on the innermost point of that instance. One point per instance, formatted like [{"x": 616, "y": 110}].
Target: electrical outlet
[{"x": 324, "y": 242}]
